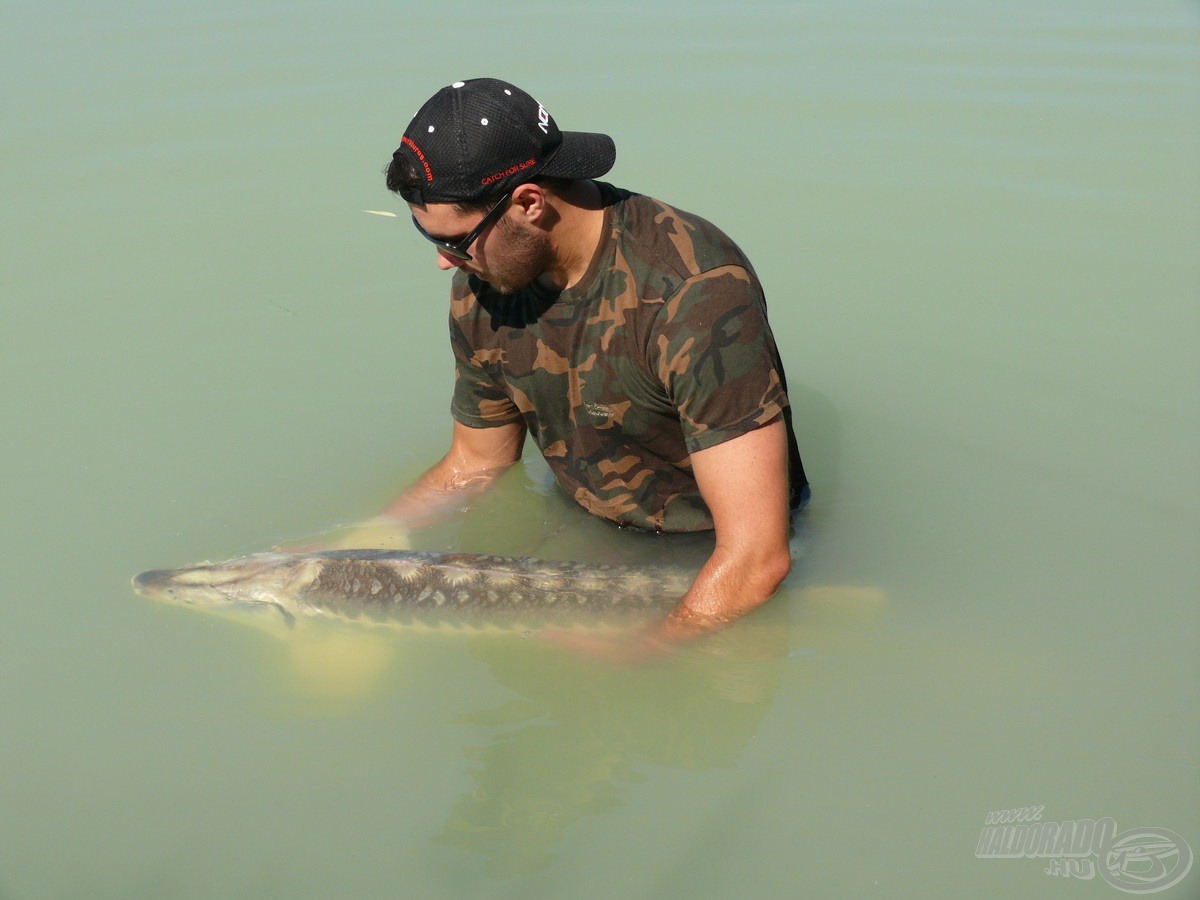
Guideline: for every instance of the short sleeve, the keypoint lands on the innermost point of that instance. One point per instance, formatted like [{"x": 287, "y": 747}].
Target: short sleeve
[
  {"x": 480, "y": 400},
  {"x": 716, "y": 357}
]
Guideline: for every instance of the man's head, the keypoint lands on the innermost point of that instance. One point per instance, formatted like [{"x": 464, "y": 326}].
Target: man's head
[
  {"x": 481, "y": 138},
  {"x": 483, "y": 153}
]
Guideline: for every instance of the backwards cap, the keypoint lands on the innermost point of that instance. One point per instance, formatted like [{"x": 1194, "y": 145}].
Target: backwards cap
[{"x": 483, "y": 136}]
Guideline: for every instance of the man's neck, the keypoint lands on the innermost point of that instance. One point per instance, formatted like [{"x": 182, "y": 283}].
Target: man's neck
[{"x": 575, "y": 236}]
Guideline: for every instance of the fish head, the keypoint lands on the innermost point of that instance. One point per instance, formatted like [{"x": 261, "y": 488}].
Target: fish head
[{"x": 263, "y": 585}]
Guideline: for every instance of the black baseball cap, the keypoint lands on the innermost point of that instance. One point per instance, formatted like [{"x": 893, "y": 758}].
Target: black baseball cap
[{"x": 483, "y": 136}]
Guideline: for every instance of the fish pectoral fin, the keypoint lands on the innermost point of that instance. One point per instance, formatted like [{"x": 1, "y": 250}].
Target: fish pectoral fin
[{"x": 288, "y": 618}]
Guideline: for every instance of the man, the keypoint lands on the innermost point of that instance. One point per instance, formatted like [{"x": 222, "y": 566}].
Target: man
[{"x": 629, "y": 339}]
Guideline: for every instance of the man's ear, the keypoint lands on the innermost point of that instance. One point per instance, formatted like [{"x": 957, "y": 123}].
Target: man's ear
[{"x": 530, "y": 201}]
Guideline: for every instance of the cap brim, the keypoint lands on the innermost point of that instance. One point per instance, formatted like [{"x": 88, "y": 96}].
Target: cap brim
[{"x": 582, "y": 154}]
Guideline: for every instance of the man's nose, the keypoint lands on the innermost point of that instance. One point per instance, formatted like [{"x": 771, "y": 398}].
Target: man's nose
[{"x": 446, "y": 261}]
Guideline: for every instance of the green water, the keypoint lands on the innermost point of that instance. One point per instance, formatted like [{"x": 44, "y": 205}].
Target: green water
[{"x": 977, "y": 224}]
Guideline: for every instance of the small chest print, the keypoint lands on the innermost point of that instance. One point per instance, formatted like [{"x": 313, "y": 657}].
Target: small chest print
[{"x": 598, "y": 412}]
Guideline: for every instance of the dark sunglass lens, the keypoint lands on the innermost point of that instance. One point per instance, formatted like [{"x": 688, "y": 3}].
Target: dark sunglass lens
[{"x": 459, "y": 250}]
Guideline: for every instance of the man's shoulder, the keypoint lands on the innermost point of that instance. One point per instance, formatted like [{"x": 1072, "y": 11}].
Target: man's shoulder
[{"x": 659, "y": 235}]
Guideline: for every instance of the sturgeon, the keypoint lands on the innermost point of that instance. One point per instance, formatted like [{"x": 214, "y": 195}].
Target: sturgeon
[{"x": 406, "y": 588}]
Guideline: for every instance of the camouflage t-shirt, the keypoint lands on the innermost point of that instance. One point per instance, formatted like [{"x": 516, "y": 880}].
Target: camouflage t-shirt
[{"x": 661, "y": 349}]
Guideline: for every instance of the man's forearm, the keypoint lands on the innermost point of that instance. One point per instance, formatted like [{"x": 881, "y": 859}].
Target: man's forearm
[
  {"x": 477, "y": 457},
  {"x": 745, "y": 484},
  {"x": 447, "y": 487},
  {"x": 731, "y": 584}
]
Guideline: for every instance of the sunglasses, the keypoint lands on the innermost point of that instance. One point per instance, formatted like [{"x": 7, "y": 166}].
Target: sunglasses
[{"x": 458, "y": 249}]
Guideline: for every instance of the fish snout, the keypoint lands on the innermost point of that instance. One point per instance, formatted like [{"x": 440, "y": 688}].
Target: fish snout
[
  {"x": 160, "y": 585},
  {"x": 154, "y": 579}
]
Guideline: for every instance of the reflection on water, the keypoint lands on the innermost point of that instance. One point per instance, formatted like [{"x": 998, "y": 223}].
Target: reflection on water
[{"x": 580, "y": 733}]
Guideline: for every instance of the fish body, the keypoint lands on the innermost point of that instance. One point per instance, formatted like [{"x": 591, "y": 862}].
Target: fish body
[{"x": 405, "y": 588}]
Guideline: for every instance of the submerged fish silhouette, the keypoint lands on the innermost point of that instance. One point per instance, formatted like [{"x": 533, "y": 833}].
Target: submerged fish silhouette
[{"x": 406, "y": 588}]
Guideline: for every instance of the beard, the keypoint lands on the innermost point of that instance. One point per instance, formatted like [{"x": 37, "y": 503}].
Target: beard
[{"x": 527, "y": 255}]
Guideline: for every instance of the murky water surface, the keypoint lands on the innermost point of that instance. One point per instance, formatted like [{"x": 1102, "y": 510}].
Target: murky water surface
[{"x": 977, "y": 224}]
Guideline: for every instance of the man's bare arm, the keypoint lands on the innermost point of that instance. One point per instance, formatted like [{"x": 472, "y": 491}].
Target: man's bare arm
[
  {"x": 744, "y": 481},
  {"x": 477, "y": 457}
]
